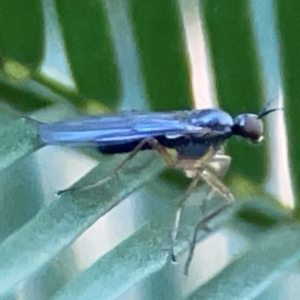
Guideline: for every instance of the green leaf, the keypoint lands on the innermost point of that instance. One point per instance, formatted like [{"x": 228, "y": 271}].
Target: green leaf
[
  {"x": 236, "y": 70},
  {"x": 142, "y": 254},
  {"x": 248, "y": 276},
  {"x": 22, "y": 23},
  {"x": 288, "y": 26},
  {"x": 26, "y": 252},
  {"x": 162, "y": 51},
  {"x": 19, "y": 138},
  {"x": 89, "y": 46}
]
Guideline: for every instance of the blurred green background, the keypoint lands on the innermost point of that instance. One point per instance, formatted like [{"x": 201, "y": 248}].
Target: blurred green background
[{"x": 61, "y": 59}]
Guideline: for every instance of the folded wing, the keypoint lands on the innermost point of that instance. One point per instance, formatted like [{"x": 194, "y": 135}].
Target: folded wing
[{"x": 115, "y": 129}]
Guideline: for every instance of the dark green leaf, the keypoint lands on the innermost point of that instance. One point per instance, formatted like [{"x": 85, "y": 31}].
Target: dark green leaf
[
  {"x": 236, "y": 70},
  {"x": 163, "y": 55},
  {"x": 288, "y": 24},
  {"x": 22, "y": 31},
  {"x": 89, "y": 46}
]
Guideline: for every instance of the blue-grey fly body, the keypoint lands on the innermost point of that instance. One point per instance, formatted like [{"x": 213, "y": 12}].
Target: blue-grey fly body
[{"x": 197, "y": 136}]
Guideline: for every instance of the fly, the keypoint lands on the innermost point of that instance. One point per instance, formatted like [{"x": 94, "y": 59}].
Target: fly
[{"x": 197, "y": 136}]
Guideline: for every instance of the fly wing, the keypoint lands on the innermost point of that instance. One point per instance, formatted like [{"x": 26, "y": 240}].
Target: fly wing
[{"x": 115, "y": 129}]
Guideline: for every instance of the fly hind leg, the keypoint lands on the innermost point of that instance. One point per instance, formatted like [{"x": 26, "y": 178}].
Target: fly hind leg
[{"x": 151, "y": 141}]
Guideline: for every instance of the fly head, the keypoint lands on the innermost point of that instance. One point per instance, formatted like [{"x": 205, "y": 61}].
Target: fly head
[{"x": 250, "y": 126}]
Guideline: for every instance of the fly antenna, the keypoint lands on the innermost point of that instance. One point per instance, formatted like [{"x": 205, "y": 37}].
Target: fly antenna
[{"x": 265, "y": 111}]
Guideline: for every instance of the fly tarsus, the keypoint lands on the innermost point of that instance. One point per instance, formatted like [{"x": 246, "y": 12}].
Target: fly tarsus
[{"x": 201, "y": 225}]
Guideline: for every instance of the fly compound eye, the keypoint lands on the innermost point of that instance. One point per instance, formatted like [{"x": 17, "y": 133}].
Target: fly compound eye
[{"x": 248, "y": 126}]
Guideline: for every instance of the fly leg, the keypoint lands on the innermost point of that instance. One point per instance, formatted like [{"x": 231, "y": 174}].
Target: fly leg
[
  {"x": 178, "y": 212},
  {"x": 199, "y": 226},
  {"x": 151, "y": 141},
  {"x": 220, "y": 165},
  {"x": 212, "y": 173},
  {"x": 193, "y": 169}
]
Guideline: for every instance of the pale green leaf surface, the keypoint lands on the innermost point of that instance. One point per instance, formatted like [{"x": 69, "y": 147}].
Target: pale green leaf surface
[
  {"x": 23, "y": 254},
  {"x": 18, "y": 139},
  {"x": 275, "y": 252},
  {"x": 142, "y": 254}
]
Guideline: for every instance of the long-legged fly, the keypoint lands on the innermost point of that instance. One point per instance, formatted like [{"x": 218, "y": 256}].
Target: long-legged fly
[{"x": 197, "y": 136}]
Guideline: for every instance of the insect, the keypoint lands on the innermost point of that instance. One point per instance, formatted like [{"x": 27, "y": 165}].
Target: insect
[{"x": 197, "y": 136}]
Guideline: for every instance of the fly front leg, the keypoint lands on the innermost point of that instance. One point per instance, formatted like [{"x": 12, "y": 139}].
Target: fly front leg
[
  {"x": 151, "y": 141},
  {"x": 212, "y": 176},
  {"x": 219, "y": 166}
]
